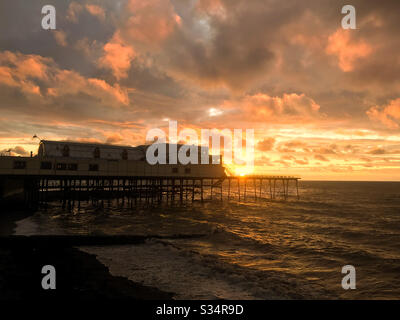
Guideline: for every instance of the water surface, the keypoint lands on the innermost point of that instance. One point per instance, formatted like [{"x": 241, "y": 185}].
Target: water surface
[{"x": 253, "y": 250}]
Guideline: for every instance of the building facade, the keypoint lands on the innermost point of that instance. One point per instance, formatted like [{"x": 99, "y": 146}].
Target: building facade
[{"x": 62, "y": 158}]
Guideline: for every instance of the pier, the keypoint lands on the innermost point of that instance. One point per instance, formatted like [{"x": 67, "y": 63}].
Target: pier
[
  {"x": 39, "y": 181},
  {"x": 71, "y": 191}
]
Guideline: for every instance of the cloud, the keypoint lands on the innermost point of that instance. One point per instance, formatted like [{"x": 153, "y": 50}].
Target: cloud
[
  {"x": 347, "y": 49},
  {"x": 212, "y": 8},
  {"x": 261, "y": 107},
  {"x": 266, "y": 144},
  {"x": 150, "y": 21},
  {"x": 40, "y": 80},
  {"x": 23, "y": 71},
  {"x": 301, "y": 162},
  {"x": 75, "y": 9},
  {"x": 388, "y": 114},
  {"x": 114, "y": 138},
  {"x": 320, "y": 157},
  {"x": 288, "y": 157},
  {"x": 16, "y": 151},
  {"x": 377, "y": 151},
  {"x": 332, "y": 149},
  {"x": 61, "y": 37},
  {"x": 295, "y": 144},
  {"x": 96, "y": 11},
  {"x": 91, "y": 49},
  {"x": 117, "y": 57}
]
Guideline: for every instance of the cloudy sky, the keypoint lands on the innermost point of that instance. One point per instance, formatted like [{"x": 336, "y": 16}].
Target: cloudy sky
[{"x": 324, "y": 102}]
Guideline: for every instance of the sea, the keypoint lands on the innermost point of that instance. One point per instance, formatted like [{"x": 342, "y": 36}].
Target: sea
[{"x": 253, "y": 249}]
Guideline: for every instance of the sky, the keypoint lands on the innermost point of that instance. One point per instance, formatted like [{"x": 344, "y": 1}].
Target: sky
[{"x": 324, "y": 102}]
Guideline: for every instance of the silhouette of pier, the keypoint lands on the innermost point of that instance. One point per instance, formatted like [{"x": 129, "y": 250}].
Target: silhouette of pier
[
  {"x": 72, "y": 191},
  {"x": 73, "y": 181}
]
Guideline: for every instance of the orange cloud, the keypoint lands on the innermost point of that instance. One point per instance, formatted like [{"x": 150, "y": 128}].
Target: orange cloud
[
  {"x": 347, "y": 49},
  {"x": 114, "y": 138},
  {"x": 212, "y": 7},
  {"x": 266, "y": 144},
  {"x": 117, "y": 57},
  {"x": 115, "y": 90},
  {"x": 320, "y": 157},
  {"x": 152, "y": 21},
  {"x": 262, "y": 107},
  {"x": 29, "y": 72},
  {"x": 24, "y": 66},
  {"x": 75, "y": 9},
  {"x": 96, "y": 11},
  {"x": 18, "y": 70},
  {"x": 377, "y": 151},
  {"x": 389, "y": 115},
  {"x": 70, "y": 82}
]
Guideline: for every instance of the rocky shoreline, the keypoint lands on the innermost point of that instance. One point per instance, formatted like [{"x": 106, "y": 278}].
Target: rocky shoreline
[{"x": 79, "y": 275}]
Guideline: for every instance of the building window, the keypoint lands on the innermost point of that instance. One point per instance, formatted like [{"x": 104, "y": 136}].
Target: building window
[
  {"x": 188, "y": 170},
  {"x": 61, "y": 166},
  {"x": 93, "y": 167},
  {"x": 96, "y": 153},
  {"x": 19, "y": 165},
  {"x": 125, "y": 154},
  {"x": 65, "y": 151},
  {"x": 46, "y": 165},
  {"x": 175, "y": 170},
  {"x": 72, "y": 166}
]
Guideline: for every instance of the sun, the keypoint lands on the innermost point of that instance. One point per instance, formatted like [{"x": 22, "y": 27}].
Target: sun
[{"x": 242, "y": 171}]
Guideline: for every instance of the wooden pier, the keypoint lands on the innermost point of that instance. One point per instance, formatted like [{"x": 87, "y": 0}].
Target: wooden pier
[
  {"x": 72, "y": 181},
  {"x": 72, "y": 190}
]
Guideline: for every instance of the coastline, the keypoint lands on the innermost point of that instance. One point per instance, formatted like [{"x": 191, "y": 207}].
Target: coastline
[
  {"x": 13, "y": 210},
  {"x": 79, "y": 275}
]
